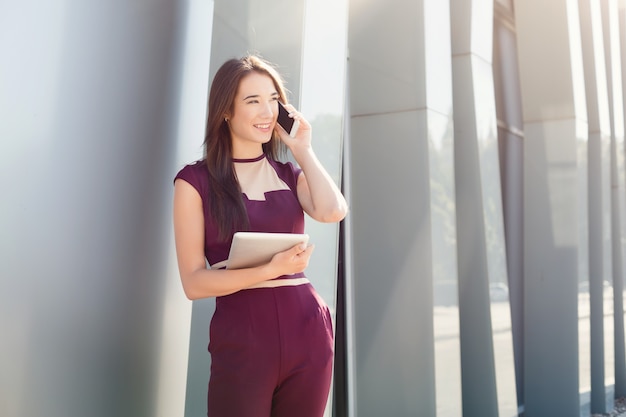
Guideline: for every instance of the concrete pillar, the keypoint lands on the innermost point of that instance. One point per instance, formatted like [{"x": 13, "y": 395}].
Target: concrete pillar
[
  {"x": 486, "y": 337},
  {"x": 613, "y": 44},
  {"x": 89, "y": 109},
  {"x": 555, "y": 221},
  {"x": 403, "y": 219},
  {"x": 511, "y": 145},
  {"x": 599, "y": 206}
]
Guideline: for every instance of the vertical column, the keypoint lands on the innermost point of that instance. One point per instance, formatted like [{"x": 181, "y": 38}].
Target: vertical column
[
  {"x": 511, "y": 145},
  {"x": 619, "y": 54},
  {"x": 599, "y": 206},
  {"x": 486, "y": 336},
  {"x": 555, "y": 125},
  {"x": 89, "y": 109},
  {"x": 402, "y": 194},
  {"x": 613, "y": 44},
  {"x": 621, "y": 57},
  {"x": 191, "y": 118}
]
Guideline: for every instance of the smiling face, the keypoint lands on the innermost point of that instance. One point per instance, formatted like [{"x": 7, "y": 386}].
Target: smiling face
[{"x": 254, "y": 114}]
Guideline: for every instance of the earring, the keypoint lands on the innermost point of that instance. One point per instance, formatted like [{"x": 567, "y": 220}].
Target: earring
[{"x": 226, "y": 119}]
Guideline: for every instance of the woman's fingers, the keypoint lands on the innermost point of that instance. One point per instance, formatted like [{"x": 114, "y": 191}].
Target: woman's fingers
[{"x": 293, "y": 260}]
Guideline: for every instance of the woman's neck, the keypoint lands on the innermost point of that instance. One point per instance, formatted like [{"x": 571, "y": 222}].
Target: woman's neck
[{"x": 247, "y": 152}]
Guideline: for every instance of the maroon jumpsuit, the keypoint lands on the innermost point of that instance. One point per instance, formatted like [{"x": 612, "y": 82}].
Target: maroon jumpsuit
[{"x": 271, "y": 348}]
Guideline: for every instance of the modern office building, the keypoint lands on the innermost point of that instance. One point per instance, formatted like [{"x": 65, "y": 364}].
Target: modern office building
[{"x": 479, "y": 273}]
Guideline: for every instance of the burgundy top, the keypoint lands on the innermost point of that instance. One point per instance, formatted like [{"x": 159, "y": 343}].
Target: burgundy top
[{"x": 273, "y": 205}]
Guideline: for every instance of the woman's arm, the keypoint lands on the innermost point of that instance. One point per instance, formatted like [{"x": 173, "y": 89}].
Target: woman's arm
[
  {"x": 200, "y": 282},
  {"x": 318, "y": 194}
]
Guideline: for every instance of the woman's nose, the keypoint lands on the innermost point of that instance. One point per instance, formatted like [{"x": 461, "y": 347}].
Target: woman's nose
[{"x": 270, "y": 108}]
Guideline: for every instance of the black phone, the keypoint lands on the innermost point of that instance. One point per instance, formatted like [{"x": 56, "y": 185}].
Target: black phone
[{"x": 287, "y": 123}]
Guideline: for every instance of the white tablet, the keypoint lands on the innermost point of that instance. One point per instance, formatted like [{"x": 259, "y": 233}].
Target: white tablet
[{"x": 251, "y": 249}]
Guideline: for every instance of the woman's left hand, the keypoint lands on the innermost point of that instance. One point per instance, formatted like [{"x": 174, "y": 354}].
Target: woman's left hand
[{"x": 302, "y": 139}]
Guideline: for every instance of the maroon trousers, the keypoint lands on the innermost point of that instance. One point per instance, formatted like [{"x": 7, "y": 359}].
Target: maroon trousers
[{"x": 271, "y": 353}]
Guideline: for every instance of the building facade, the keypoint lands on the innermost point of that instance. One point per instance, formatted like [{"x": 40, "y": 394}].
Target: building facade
[{"x": 480, "y": 271}]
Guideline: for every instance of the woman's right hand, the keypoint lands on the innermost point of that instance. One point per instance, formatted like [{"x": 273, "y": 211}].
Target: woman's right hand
[{"x": 292, "y": 261}]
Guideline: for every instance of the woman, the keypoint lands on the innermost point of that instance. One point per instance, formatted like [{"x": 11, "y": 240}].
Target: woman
[{"x": 271, "y": 339}]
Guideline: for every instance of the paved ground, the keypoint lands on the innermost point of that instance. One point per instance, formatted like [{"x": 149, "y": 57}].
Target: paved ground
[{"x": 619, "y": 411}]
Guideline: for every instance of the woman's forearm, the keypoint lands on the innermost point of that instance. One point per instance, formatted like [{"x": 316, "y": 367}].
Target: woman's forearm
[
  {"x": 326, "y": 203},
  {"x": 205, "y": 283}
]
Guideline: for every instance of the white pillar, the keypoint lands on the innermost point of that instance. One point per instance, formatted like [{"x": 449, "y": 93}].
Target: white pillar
[
  {"x": 403, "y": 219},
  {"x": 599, "y": 379},
  {"x": 555, "y": 125},
  {"x": 89, "y": 108},
  {"x": 613, "y": 44},
  {"x": 486, "y": 332}
]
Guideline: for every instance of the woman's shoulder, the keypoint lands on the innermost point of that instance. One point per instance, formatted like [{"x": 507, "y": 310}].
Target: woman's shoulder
[{"x": 195, "y": 174}]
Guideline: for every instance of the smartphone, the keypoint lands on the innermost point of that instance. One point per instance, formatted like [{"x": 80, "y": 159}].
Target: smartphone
[{"x": 290, "y": 125}]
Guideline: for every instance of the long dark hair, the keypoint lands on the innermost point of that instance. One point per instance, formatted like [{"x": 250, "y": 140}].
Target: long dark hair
[{"x": 225, "y": 202}]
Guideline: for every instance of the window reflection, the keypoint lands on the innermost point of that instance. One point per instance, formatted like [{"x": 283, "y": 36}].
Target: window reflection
[{"x": 322, "y": 101}]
